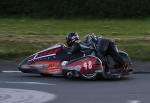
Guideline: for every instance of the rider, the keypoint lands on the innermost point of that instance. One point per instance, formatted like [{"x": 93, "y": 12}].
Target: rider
[
  {"x": 103, "y": 47},
  {"x": 76, "y": 47}
]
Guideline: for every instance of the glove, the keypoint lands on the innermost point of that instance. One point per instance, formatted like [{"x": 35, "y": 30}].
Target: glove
[{"x": 124, "y": 66}]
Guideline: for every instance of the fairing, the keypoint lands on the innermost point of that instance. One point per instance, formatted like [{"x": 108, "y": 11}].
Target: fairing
[
  {"x": 51, "y": 61},
  {"x": 46, "y": 61}
]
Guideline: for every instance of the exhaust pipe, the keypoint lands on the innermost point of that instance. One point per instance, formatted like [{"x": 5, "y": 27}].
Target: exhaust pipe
[{"x": 69, "y": 74}]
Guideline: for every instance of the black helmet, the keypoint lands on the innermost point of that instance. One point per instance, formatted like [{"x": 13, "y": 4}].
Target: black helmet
[{"x": 71, "y": 38}]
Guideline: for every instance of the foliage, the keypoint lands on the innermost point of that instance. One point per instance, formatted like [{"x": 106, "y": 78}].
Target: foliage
[{"x": 75, "y": 8}]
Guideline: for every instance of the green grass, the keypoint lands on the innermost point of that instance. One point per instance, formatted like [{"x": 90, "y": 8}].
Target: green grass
[
  {"x": 21, "y": 37},
  {"x": 109, "y": 27}
]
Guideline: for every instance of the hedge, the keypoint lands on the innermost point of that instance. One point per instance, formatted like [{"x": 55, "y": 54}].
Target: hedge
[{"x": 75, "y": 8}]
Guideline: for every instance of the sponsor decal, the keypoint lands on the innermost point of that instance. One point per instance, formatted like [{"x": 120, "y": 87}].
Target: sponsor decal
[{"x": 53, "y": 67}]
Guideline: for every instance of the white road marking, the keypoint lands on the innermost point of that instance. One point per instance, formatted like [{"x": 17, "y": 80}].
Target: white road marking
[
  {"x": 134, "y": 101},
  {"x": 11, "y": 71},
  {"x": 35, "y": 83},
  {"x": 9, "y": 95}
]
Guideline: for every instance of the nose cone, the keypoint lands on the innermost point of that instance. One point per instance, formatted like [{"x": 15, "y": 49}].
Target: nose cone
[{"x": 22, "y": 63}]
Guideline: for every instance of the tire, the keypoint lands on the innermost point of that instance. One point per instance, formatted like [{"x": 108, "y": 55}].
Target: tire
[{"x": 111, "y": 64}]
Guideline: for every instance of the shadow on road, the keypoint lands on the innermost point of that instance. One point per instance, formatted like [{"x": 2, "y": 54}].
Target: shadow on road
[{"x": 61, "y": 78}]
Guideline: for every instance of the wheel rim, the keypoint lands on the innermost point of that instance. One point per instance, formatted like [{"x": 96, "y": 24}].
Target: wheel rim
[{"x": 89, "y": 75}]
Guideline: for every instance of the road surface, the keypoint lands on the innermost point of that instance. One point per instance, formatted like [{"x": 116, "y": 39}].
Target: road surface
[{"x": 16, "y": 87}]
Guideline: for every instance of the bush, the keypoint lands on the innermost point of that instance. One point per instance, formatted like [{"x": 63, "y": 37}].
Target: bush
[{"x": 75, "y": 8}]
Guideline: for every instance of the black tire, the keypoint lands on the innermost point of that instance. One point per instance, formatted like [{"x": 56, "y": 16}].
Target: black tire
[{"x": 111, "y": 62}]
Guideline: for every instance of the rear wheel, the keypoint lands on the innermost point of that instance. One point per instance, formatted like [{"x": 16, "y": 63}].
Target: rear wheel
[{"x": 115, "y": 70}]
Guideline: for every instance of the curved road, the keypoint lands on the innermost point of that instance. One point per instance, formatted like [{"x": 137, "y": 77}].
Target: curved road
[{"x": 16, "y": 87}]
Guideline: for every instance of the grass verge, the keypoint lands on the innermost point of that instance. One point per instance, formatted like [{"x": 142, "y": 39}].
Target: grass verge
[{"x": 22, "y": 37}]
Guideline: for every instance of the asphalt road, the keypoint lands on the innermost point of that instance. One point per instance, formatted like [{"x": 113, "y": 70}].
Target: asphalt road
[{"x": 16, "y": 87}]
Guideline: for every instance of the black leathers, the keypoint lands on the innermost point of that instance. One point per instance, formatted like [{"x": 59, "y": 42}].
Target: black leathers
[
  {"x": 107, "y": 47},
  {"x": 79, "y": 49}
]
